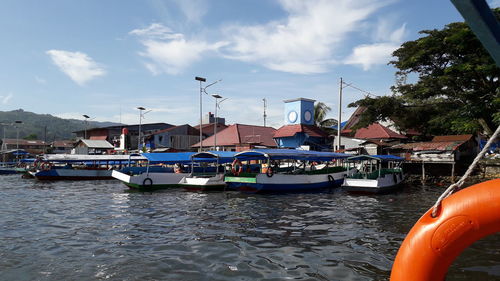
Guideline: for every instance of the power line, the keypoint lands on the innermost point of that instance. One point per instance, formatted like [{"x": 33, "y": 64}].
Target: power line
[{"x": 361, "y": 90}]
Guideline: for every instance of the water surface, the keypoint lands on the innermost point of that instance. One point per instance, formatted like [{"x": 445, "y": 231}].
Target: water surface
[{"x": 97, "y": 230}]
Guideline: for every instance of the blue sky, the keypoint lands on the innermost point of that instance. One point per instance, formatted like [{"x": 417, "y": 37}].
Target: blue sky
[{"x": 105, "y": 58}]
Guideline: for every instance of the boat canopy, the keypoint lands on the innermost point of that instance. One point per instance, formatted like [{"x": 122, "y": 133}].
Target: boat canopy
[
  {"x": 68, "y": 158},
  {"x": 292, "y": 154},
  {"x": 383, "y": 158},
  {"x": 212, "y": 156},
  {"x": 169, "y": 158}
]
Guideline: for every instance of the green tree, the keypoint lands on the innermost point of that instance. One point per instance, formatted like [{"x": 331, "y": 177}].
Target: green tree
[
  {"x": 446, "y": 84},
  {"x": 31, "y": 137},
  {"x": 320, "y": 112}
]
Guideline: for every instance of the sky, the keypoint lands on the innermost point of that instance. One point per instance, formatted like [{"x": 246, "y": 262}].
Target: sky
[{"x": 104, "y": 59}]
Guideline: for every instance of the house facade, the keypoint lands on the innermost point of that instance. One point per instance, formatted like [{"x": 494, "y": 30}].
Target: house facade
[{"x": 177, "y": 138}]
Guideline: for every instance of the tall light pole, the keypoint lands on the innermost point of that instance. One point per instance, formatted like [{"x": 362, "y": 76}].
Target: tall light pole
[
  {"x": 340, "y": 114},
  {"x": 217, "y": 103},
  {"x": 141, "y": 109},
  {"x": 85, "y": 121},
  {"x": 17, "y": 139},
  {"x": 202, "y": 90}
]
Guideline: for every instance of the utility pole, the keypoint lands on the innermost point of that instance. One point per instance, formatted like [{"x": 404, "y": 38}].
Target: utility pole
[
  {"x": 340, "y": 114},
  {"x": 264, "y": 100}
]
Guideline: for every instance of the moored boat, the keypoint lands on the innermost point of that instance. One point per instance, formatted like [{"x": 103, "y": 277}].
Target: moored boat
[
  {"x": 80, "y": 167},
  {"x": 150, "y": 178},
  {"x": 377, "y": 174},
  {"x": 286, "y": 170},
  {"x": 207, "y": 180}
]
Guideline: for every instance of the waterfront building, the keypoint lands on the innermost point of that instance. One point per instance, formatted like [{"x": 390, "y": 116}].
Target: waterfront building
[
  {"x": 299, "y": 129},
  {"x": 92, "y": 147},
  {"x": 240, "y": 137},
  {"x": 177, "y": 138}
]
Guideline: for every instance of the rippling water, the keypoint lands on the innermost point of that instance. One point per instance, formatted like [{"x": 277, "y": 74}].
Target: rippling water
[{"x": 97, "y": 230}]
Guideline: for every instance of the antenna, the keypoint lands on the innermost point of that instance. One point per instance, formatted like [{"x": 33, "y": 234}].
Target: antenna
[{"x": 265, "y": 115}]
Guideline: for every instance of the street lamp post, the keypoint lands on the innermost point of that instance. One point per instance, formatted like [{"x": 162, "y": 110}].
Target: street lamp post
[
  {"x": 202, "y": 90},
  {"x": 17, "y": 139},
  {"x": 141, "y": 109},
  {"x": 217, "y": 103},
  {"x": 86, "y": 124},
  {"x": 141, "y": 115}
]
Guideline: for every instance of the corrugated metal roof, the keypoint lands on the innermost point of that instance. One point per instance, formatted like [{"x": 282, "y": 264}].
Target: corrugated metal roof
[
  {"x": 291, "y": 130},
  {"x": 430, "y": 146},
  {"x": 97, "y": 144},
  {"x": 462, "y": 138},
  {"x": 377, "y": 131},
  {"x": 241, "y": 134}
]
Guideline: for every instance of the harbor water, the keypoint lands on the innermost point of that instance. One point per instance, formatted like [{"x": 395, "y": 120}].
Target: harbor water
[{"x": 98, "y": 230}]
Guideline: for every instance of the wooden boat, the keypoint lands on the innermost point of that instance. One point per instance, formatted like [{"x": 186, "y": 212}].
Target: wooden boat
[
  {"x": 208, "y": 181},
  {"x": 80, "y": 167},
  {"x": 378, "y": 174},
  {"x": 152, "y": 179},
  {"x": 286, "y": 170}
]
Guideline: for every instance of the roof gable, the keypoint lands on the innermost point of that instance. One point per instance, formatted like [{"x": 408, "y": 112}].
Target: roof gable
[
  {"x": 292, "y": 130},
  {"x": 377, "y": 131},
  {"x": 239, "y": 134}
]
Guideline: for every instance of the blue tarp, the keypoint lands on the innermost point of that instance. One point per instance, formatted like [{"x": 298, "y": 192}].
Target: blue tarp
[
  {"x": 292, "y": 154},
  {"x": 383, "y": 158},
  {"x": 169, "y": 158},
  {"x": 211, "y": 156}
]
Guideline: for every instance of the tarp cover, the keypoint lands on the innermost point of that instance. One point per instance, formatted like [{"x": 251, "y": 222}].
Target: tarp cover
[
  {"x": 213, "y": 156},
  {"x": 68, "y": 158},
  {"x": 169, "y": 158},
  {"x": 291, "y": 154},
  {"x": 383, "y": 158}
]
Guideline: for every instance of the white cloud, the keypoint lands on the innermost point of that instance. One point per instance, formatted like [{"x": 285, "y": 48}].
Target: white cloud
[
  {"x": 306, "y": 41},
  {"x": 170, "y": 52},
  {"x": 494, "y": 3},
  {"x": 367, "y": 55},
  {"x": 78, "y": 66},
  {"x": 6, "y": 99}
]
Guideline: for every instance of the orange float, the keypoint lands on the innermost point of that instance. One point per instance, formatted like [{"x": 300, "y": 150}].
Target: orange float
[
  {"x": 236, "y": 167},
  {"x": 434, "y": 242}
]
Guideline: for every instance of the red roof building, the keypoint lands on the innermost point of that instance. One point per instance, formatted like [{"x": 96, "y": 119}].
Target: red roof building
[
  {"x": 239, "y": 137},
  {"x": 377, "y": 132},
  {"x": 208, "y": 129},
  {"x": 292, "y": 130}
]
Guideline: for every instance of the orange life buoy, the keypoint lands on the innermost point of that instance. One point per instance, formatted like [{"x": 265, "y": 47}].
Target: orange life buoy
[
  {"x": 433, "y": 243},
  {"x": 234, "y": 170}
]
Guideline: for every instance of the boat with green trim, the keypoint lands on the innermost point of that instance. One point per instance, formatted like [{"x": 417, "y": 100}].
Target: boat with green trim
[
  {"x": 377, "y": 174},
  {"x": 208, "y": 180},
  {"x": 286, "y": 170}
]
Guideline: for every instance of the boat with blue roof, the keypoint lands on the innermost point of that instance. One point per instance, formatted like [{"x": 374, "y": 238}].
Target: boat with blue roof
[
  {"x": 286, "y": 170},
  {"x": 208, "y": 180},
  {"x": 377, "y": 174},
  {"x": 81, "y": 167}
]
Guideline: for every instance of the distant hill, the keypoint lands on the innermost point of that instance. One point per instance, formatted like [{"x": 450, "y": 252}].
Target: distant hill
[{"x": 56, "y": 128}]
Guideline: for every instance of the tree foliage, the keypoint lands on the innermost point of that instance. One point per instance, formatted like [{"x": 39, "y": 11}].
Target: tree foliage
[
  {"x": 320, "y": 112},
  {"x": 320, "y": 120},
  {"x": 446, "y": 84}
]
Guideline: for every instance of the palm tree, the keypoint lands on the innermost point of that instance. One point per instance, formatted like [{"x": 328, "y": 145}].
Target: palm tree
[{"x": 320, "y": 120}]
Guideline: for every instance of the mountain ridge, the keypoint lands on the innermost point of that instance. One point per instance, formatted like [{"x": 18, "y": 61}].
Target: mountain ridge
[{"x": 45, "y": 126}]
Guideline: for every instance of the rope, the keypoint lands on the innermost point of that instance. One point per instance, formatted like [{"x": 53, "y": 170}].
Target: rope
[{"x": 450, "y": 190}]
